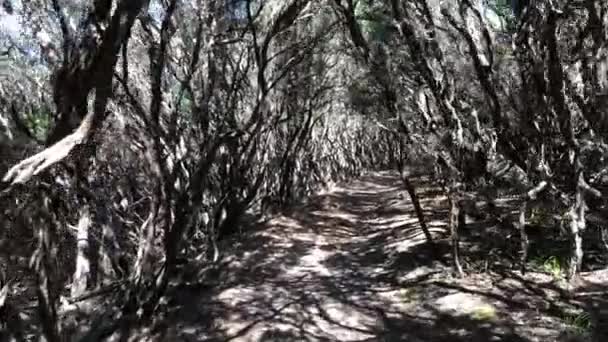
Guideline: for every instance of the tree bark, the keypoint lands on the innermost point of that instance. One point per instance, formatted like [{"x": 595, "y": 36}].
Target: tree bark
[
  {"x": 523, "y": 236},
  {"x": 11, "y": 326},
  {"x": 454, "y": 200},
  {"x": 409, "y": 187},
  {"x": 45, "y": 290},
  {"x": 71, "y": 91},
  {"x": 577, "y": 226},
  {"x": 81, "y": 278}
]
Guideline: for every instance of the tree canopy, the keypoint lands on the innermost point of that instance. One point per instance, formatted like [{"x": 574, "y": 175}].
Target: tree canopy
[{"x": 135, "y": 134}]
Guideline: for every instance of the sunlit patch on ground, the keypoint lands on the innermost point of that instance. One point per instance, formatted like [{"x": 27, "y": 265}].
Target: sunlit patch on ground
[{"x": 354, "y": 265}]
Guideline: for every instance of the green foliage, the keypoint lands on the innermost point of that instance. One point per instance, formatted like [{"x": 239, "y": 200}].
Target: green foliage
[
  {"x": 578, "y": 323},
  {"x": 503, "y": 9},
  {"x": 553, "y": 265},
  {"x": 38, "y": 121},
  {"x": 372, "y": 18}
]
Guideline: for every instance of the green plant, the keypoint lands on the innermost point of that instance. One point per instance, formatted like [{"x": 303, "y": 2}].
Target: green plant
[
  {"x": 578, "y": 322},
  {"x": 503, "y": 9},
  {"x": 552, "y": 265},
  {"x": 38, "y": 121},
  {"x": 372, "y": 19},
  {"x": 484, "y": 313}
]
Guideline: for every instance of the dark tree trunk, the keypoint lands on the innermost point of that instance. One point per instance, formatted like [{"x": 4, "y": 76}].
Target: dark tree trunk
[
  {"x": 46, "y": 289},
  {"x": 417, "y": 207},
  {"x": 11, "y": 326}
]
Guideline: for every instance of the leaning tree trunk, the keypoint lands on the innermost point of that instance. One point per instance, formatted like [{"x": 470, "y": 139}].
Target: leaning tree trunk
[
  {"x": 409, "y": 187},
  {"x": 90, "y": 68}
]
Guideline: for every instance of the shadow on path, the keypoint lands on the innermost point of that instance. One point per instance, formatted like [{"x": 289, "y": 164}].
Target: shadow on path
[{"x": 351, "y": 265}]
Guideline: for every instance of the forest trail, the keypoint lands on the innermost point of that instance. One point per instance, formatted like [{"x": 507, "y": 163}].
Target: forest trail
[{"x": 352, "y": 265}]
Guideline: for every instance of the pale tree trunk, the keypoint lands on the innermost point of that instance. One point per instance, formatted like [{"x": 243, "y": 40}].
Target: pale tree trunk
[
  {"x": 577, "y": 226},
  {"x": 523, "y": 236},
  {"x": 144, "y": 247},
  {"x": 454, "y": 200},
  {"x": 82, "y": 273}
]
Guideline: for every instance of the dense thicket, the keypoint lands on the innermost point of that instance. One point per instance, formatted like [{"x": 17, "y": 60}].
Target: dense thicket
[{"x": 136, "y": 134}]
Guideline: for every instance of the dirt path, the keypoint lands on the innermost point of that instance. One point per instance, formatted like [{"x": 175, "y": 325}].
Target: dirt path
[{"x": 352, "y": 266}]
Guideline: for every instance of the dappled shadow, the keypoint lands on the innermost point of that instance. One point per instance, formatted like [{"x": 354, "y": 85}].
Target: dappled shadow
[
  {"x": 353, "y": 265},
  {"x": 495, "y": 239},
  {"x": 592, "y": 295}
]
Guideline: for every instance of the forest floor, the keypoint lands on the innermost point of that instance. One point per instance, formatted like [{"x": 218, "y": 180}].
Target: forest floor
[{"x": 352, "y": 265}]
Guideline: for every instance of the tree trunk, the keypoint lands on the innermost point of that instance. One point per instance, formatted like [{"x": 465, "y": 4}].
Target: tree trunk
[
  {"x": 417, "y": 207},
  {"x": 82, "y": 273},
  {"x": 454, "y": 200},
  {"x": 11, "y": 326},
  {"x": 43, "y": 266},
  {"x": 577, "y": 226},
  {"x": 604, "y": 237},
  {"x": 523, "y": 236},
  {"x": 144, "y": 249},
  {"x": 95, "y": 72},
  {"x": 108, "y": 254}
]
